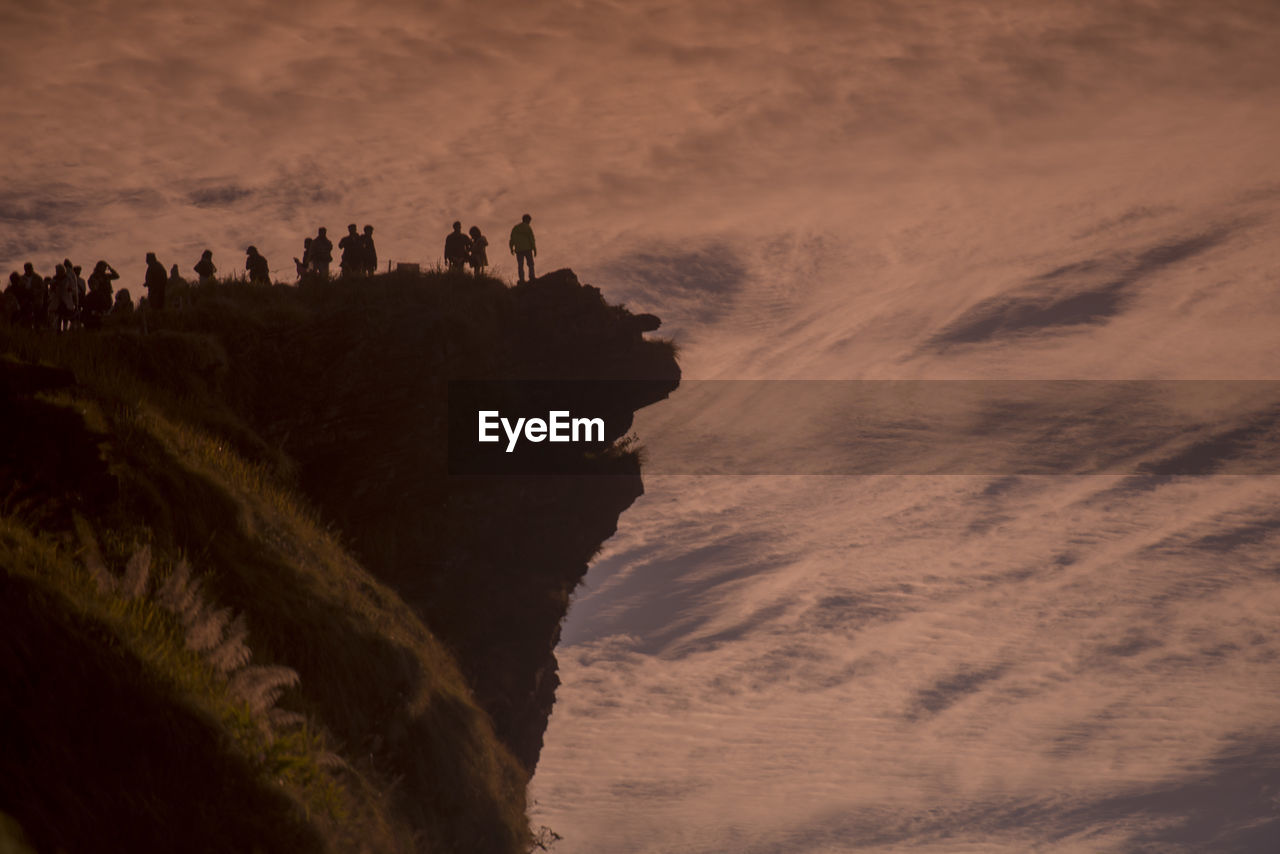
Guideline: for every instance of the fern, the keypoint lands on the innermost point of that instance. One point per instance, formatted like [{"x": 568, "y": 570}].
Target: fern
[
  {"x": 206, "y": 626},
  {"x": 180, "y": 593},
  {"x": 137, "y": 574},
  {"x": 232, "y": 651},
  {"x": 93, "y": 562},
  {"x": 260, "y": 686},
  {"x": 285, "y": 719},
  {"x": 220, "y": 637}
]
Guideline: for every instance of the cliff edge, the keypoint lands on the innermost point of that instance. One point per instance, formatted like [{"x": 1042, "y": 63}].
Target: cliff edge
[{"x": 248, "y": 605}]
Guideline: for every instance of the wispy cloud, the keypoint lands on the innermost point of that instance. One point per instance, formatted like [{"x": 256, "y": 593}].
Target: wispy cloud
[
  {"x": 915, "y": 678},
  {"x": 577, "y": 111},
  {"x": 809, "y": 190}
]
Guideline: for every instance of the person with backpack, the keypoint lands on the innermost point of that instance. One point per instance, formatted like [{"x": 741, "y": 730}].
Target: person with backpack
[
  {"x": 304, "y": 263},
  {"x": 256, "y": 265},
  {"x": 204, "y": 267},
  {"x": 98, "y": 303},
  {"x": 523, "y": 246}
]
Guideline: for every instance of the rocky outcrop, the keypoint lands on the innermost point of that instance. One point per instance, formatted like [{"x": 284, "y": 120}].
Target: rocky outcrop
[
  {"x": 360, "y": 401},
  {"x": 187, "y": 441}
]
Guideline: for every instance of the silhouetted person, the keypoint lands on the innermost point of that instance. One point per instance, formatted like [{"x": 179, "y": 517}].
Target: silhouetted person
[
  {"x": 31, "y": 293},
  {"x": 40, "y": 303},
  {"x": 304, "y": 263},
  {"x": 479, "y": 256},
  {"x": 32, "y": 283},
  {"x": 368, "y": 252},
  {"x": 98, "y": 301},
  {"x": 178, "y": 291},
  {"x": 523, "y": 246},
  {"x": 352, "y": 246},
  {"x": 256, "y": 265},
  {"x": 457, "y": 247},
  {"x": 204, "y": 267},
  {"x": 64, "y": 289},
  {"x": 29, "y": 274},
  {"x": 11, "y": 312},
  {"x": 77, "y": 282},
  {"x": 101, "y": 278},
  {"x": 154, "y": 283},
  {"x": 321, "y": 254},
  {"x": 123, "y": 304},
  {"x": 41, "y": 299}
]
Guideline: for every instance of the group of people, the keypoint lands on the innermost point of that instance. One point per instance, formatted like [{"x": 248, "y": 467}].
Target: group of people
[
  {"x": 255, "y": 266},
  {"x": 65, "y": 299},
  {"x": 162, "y": 286},
  {"x": 461, "y": 250},
  {"x": 471, "y": 249},
  {"x": 359, "y": 255}
]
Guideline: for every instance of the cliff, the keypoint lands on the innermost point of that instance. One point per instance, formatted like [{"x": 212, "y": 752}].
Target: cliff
[{"x": 247, "y": 603}]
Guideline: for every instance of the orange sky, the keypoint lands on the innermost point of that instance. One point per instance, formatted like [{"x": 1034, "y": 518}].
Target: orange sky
[
  {"x": 818, "y": 190},
  {"x": 178, "y": 126}
]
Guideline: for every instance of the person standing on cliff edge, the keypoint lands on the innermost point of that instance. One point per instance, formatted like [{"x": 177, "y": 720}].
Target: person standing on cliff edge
[
  {"x": 457, "y": 249},
  {"x": 321, "y": 254},
  {"x": 256, "y": 265},
  {"x": 154, "y": 282},
  {"x": 352, "y": 251},
  {"x": 368, "y": 254},
  {"x": 479, "y": 258},
  {"x": 523, "y": 246}
]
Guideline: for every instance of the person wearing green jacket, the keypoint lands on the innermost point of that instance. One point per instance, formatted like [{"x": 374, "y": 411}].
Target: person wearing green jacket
[{"x": 523, "y": 246}]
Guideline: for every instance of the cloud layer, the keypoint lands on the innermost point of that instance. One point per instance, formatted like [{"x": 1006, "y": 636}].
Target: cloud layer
[
  {"x": 802, "y": 190},
  {"x": 179, "y": 126}
]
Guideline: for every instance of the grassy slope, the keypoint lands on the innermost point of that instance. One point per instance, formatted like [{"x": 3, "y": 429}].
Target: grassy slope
[{"x": 136, "y": 722}]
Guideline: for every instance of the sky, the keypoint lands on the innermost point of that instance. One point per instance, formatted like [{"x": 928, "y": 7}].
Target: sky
[{"x": 844, "y": 191}]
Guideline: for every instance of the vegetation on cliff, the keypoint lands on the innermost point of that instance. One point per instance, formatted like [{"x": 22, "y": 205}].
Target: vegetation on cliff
[{"x": 245, "y": 606}]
